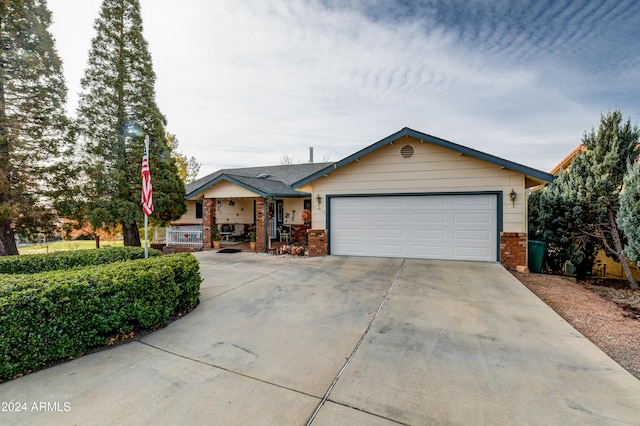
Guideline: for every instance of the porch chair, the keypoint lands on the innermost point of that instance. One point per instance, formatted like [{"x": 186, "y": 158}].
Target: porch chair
[
  {"x": 285, "y": 234},
  {"x": 238, "y": 231}
]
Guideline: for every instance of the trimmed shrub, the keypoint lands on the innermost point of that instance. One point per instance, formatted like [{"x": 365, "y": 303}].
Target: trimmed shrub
[
  {"x": 56, "y": 315},
  {"x": 35, "y": 263}
]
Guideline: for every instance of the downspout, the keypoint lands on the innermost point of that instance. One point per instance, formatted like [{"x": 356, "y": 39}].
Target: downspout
[{"x": 266, "y": 225}]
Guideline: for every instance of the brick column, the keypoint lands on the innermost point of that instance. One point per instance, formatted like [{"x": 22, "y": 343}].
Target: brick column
[
  {"x": 209, "y": 220},
  {"x": 513, "y": 249},
  {"x": 260, "y": 221},
  {"x": 318, "y": 242}
]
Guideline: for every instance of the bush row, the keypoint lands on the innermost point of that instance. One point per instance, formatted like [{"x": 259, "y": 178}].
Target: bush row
[
  {"x": 61, "y": 314},
  {"x": 35, "y": 263}
]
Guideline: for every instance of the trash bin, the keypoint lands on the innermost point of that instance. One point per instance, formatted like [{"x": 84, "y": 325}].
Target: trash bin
[{"x": 536, "y": 255}]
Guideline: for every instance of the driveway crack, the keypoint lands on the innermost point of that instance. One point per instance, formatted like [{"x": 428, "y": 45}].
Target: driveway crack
[{"x": 326, "y": 395}]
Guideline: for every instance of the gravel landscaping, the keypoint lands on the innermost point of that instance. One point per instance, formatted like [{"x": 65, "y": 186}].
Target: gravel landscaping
[{"x": 605, "y": 312}]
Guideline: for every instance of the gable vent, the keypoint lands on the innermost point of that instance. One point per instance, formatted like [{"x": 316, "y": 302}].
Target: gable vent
[{"x": 407, "y": 151}]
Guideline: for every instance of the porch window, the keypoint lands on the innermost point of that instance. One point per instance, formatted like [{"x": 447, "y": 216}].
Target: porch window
[{"x": 198, "y": 209}]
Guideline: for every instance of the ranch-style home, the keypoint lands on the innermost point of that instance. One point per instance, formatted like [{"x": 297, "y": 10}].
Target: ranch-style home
[{"x": 409, "y": 195}]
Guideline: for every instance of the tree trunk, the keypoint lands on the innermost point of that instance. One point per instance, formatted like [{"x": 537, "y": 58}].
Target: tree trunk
[
  {"x": 131, "y": 235},
  {"x": 97, "y": 237},
  {"x": 7, "y": 239},
  {"x": 617, "y": 243}
]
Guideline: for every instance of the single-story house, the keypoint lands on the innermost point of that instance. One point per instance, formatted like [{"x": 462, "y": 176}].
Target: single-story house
[{"x": 409, "y": 195}]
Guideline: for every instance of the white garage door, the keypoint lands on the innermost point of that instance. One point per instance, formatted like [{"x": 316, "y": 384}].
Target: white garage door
[{"x": 461, "y": 227}]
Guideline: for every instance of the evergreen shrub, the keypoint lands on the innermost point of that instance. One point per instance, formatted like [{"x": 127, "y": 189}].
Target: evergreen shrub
[
  {"x": 61, "y": 314},
  {"x": 35, "y": 263}
]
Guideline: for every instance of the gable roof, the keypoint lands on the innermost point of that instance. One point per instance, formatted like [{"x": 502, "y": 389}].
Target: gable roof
[
  {"x": 266, "y": 181},
  {"x": 566, "y": 161},
  {"x": 536, "y": 176}
]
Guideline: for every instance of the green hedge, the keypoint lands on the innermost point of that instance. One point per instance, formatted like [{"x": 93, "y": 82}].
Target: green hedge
[
  {"x": 35, "y": 263},
  {"x": 61, "y": 314}
]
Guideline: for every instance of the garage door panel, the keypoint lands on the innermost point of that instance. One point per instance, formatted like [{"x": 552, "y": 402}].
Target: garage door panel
[
  {"x": 471, "y": 235},
  {"x": 462, "y": 218},
  {"x": 386, "y": 219},
  {"x": 472, "y": 201},
  {"x": 471, "y": 254},
  {"x": 430, "y": 201},
  {"x": 353, "y": 232},
  {"x": 437, "y": 227},
  {"x": 428, "y": 234},
  {"x": 393, "y": 250},
  {"x": 382, "y": 202},
  {"x": 352, "y": 202},
  {"x": 349, "y": 217},
  {"x": 428, "y": 252},
  {"x": 386, "y": 234},
  {"x": 427, "y": 218},
  {"x": 356, "y": 249}
]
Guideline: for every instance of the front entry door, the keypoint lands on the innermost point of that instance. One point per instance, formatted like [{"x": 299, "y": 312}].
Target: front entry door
[{"x": 276, "y": 217}]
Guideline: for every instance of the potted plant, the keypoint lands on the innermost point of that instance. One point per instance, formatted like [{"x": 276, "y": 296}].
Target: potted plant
[
  {"x": 252, "y": 240},
  {"x": 215, "y": 236}
]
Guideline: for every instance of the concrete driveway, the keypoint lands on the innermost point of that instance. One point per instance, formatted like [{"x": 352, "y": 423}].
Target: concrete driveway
[{"x": 342, "y": 341}]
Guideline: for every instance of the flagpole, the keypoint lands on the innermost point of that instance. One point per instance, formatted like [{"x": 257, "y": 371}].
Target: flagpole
[{"x": 146, "y": 216}]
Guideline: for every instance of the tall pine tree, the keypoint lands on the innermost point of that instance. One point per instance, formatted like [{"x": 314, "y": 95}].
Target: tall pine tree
[
  {"x": 118, "y": 94},
  {"x": 32, "y": 117}
]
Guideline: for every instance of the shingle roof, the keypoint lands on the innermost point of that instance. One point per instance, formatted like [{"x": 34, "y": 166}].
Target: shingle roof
[
  {"x": 276, "y": 180},
  {"x": 281, "y": 181}
]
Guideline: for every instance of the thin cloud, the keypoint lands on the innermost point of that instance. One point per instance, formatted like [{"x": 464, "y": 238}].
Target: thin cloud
[{"x": 244, "y": 84}]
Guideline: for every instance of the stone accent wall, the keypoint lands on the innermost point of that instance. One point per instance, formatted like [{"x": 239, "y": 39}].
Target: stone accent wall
[
  {"x": 318, "y": 242},
  {"x": 513, "y": 249},
  {"x": 209, "y": 220},
  {"x": 299, "y": 233}
]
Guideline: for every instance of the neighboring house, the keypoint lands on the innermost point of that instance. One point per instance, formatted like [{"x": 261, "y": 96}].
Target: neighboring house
[
  {"x": 408, "y": 195},
  {"x": 604, "y": 265}
]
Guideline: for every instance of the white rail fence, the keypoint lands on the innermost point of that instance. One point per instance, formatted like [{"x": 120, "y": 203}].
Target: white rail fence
[{"x": 185, "y": 236}]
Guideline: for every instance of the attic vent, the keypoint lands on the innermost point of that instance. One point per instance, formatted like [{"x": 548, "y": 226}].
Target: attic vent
[
  {"x": 263, "y": 176},
  {"x": 407, "y": 151}
]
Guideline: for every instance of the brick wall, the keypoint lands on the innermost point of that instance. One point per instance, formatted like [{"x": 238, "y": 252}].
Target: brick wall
[
  {"x": 513, "y": 249},
  {"x": 318, "y": 242}
]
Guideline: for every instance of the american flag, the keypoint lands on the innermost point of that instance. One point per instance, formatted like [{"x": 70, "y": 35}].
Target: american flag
[{"x": 147, "y": 191}]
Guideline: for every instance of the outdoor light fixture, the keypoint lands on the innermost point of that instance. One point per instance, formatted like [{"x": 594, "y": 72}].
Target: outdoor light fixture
[
  {"x": 319, "y": 199},
  {"x": 512, "y": 196}
]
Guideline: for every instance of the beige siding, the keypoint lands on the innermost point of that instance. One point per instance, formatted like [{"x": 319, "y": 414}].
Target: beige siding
[
  {"x": 189, "y": 218},
  {"x": 240, "y": 212},
  {"x": 431, "y": 169},
  {"x": 292, "y": 208},
  {"x": 224, "y": 189}
]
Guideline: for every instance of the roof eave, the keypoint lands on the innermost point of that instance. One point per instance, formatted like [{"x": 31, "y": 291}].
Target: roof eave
[
  {"x": 533, "y": 173},
  {"x": 229, "y": 179},
  {"x": 258, "y": 192}
]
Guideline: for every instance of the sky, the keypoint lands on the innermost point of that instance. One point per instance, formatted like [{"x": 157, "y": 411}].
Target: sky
[{"x": 247, "y": 83}]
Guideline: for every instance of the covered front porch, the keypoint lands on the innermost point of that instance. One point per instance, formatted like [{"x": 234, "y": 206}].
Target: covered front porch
[{"x": 238, "y": 220}]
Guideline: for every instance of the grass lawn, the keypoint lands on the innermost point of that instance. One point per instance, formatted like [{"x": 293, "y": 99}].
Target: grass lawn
[{"x": 67, "y": 245}]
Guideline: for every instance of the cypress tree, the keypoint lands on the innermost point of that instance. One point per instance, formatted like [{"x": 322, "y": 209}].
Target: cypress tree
[
  {"x": 118, "y": 95},
  {"x": 32, "y": 117}
]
